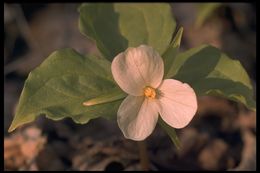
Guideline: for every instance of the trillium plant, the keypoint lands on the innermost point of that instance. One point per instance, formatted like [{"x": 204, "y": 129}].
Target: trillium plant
[{"x": 139, "y": 77}]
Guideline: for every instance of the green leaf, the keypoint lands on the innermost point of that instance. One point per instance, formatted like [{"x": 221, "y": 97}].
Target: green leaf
[
  {"x": 205, "y": 10},
  {"x": 115, "y": 27},
  {"x": 171, "y": 52},
  {"x": 171, "y": 132},
  {"x": 60, "y": 85},
  {"x": 211, "y": 72}
]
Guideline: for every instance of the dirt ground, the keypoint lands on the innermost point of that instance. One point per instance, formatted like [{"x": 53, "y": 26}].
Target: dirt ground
[{"x": 222, "y": 135}]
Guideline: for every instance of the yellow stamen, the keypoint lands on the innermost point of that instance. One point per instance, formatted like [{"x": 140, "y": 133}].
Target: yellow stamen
[{"x": 149, "y": 92}]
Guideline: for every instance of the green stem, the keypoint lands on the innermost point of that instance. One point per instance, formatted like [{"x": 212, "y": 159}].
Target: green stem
[{"x": 144, "y": 160}]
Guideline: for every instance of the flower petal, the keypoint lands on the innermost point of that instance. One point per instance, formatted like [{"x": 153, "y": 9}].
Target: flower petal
[
  {"x": 136, "y": 68},
  {"x": 178, "y": 103},
  {"x": 137, "y": 117}
]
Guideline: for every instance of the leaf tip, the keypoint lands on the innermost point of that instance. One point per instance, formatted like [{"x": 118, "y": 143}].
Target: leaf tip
[
  {"x": 89, "y": 103},
  {"x": 180, "y": 30},
  {"x": 177, "y": 38},
  {"x": 11, "y": 128}
]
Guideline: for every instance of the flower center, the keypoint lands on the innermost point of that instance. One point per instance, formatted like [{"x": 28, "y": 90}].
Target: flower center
[{"x": 149, "y": 92}]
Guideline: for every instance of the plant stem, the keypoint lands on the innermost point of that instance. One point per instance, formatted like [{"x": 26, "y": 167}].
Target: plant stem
[{"x": 144, "y": 160}]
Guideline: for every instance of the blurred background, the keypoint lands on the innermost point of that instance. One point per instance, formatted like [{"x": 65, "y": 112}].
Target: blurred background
[{"x": 222, "y": 136}]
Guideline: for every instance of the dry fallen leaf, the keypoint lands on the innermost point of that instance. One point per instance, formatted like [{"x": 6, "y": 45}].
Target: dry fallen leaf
[{"x": 21, "y": 149}]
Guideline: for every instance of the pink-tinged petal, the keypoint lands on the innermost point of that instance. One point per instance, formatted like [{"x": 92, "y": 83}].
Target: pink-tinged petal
[
  {"x": 136, "y": 68},
  {"x": 178, "y": 103},
  {"x": 137, "y": 117}
]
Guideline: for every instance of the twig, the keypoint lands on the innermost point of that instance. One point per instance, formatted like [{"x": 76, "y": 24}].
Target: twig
[
  {"x": 25, "y": 31},
  {"x": 25, "y": 28}
]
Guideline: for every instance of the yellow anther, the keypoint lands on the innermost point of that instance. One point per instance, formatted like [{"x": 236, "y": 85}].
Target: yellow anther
[{"x": 149, "y": 92}]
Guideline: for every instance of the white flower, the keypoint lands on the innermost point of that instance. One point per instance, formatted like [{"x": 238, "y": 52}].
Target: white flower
[{"x": 139, "y": 72}]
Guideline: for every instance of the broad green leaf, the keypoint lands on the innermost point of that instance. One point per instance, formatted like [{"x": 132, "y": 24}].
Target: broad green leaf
[
  {"x": 169, "y": 55},
  {"x": 210, "y": 72},
  {"x": 205, "y": 10},
  {"x": 115, "y": 27},
  {"x": 60, "y": 85},
  {"x": 171, "y": 132}
]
